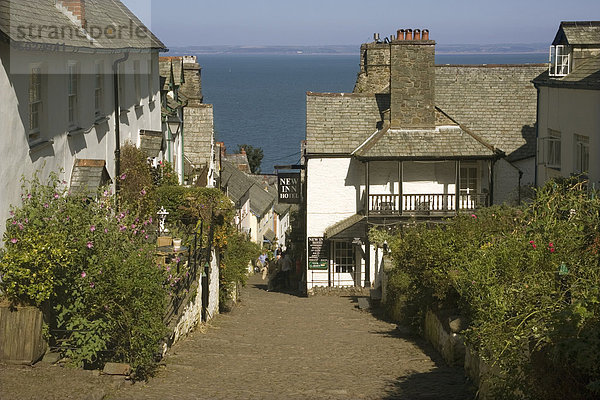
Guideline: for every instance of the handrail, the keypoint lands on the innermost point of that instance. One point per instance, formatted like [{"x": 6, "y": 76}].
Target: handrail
[{"x": 395, "y": 204}]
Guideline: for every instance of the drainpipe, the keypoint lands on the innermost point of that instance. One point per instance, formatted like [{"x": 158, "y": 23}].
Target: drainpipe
[
  {"x": 537, "y": 135},
  {"x": 182, "y": 149},
  {"x": 117, "y": 125}
]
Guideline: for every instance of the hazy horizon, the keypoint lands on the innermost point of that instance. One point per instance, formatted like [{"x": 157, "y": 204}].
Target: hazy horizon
[{"x": 333, "y": 22}]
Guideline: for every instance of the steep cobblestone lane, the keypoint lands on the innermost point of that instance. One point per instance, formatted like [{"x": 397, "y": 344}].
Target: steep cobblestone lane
[{"x": 278, "y": 346}]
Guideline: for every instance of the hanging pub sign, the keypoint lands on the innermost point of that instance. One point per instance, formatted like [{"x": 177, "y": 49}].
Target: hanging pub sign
[
  {"x": 317, "y": 253},
  {"x": 289, "y": 188}
]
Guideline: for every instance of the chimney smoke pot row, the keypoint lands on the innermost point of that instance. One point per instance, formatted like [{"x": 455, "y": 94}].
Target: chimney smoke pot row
[{"x": 407, "y": 34}]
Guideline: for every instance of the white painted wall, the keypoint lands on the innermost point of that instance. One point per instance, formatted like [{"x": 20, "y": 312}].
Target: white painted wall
[
  {"x": 213, "y": 286},
  {"x": 334, "y": 186},
  {"x": 96, "y": 142},
  {"x": 570, "y": 112}
]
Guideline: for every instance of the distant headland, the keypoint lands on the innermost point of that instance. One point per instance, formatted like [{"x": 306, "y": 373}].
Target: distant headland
[{"x": 510, "y": 48}]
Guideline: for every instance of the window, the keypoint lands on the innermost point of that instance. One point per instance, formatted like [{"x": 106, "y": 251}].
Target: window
[
  {"x": 122, "y": 88},
  {"x": 469, "y": 174},
  {"x": 344, "y": 257},
  {"x": 35, "y": 103},
  {"x": 582, "y": 154},
  {"x": 73, "y": 91},
  {"x": 99, "y": 90},
  {"x": 137, "y": 84},
  {"x": 553, "y": 149},
  {"x": 151, "y": 73},
  {"x": 560, "y": 60}
]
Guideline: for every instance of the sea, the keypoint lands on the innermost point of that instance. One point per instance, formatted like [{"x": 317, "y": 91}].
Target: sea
[{"x": 260, "y": 100}]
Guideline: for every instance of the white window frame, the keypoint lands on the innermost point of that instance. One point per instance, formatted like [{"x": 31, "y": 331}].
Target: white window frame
[
  {"x": 99, "y": 89},
  {"x": 151, "y": 72},
  {"x": 35, "y": 102},
  {"x": 582, "y": 154},
  {"x": 122, "y": 87},
  {"x": 560, "y": 60},
  {"x": 344, "y": 257},
  {"x": 137, "y": 83},
  {"x": 73, "y": 93},
  {"x": 553, "y": 149}
]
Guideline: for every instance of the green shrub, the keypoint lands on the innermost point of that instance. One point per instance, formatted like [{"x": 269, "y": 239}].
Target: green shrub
[
  {"x": 92, "y": 272},
  {"x": 137, "y": 191},
  {"x": 527, "y": 279}
]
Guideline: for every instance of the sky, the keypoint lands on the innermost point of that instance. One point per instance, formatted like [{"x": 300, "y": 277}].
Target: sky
[{"x": 350, "y": 22}]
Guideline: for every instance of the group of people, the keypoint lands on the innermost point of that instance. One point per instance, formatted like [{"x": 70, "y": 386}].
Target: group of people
[{"x": 279, "y": 270}]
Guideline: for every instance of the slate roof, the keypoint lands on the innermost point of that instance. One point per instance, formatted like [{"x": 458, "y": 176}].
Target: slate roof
[
  {"x": 88, "y": 176},
  {"x": 171, "y": 71},
  {"x": 241, "y": 186},
  {"x": 350, "y": 227},
  {"x": 239, "y": 160},
  {"x": 151, "y": 142},
  {"x": 496, "y": 102},
  {"x": 440, "y": 143},
  {"x": 98, "y": 13},
  {"x": 585, "y": 76},
  {"x": 578, "y": 33}
]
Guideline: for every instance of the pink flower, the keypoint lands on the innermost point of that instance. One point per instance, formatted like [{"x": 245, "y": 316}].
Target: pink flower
[
  {"x": 122, "y": 228},
  {"x": 90, "y": 245},
  {"x": 92, "y": 285},
  {"x": 14, "y": 240},
  {"x": 29, "y": 196},
  {"x": 150, "y": 220},
  {"x": 146, "y": 237},
  {"x": 132, "y": 226},
  {"x": 473, "y": 215},
  {"x": 56, "y": 196},
  {"x": 551, "y": 244},
  {"x": 14, "y": 222},
  {"x": 21, "y": 227},
  {"x": 92, "y": 228},
  {"x": 143, "y": 192},
  {"x": 105, "y": 230},
  {"x": 83, "y": 274},
  {"x": 46, "y": 205},
  {"x": 12, "y": 213},
  {"x": 552, "y": 250},
  {"x": 123, "y": 177}
]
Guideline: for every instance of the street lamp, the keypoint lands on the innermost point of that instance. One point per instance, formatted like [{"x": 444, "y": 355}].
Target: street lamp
[{"x": 174, "y": 124}]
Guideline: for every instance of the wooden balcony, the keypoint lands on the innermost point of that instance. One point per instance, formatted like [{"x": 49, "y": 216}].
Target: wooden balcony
[{"x": 424, "y": 204}]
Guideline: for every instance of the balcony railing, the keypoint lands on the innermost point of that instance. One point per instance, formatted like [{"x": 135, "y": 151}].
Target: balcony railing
[{"x": 424, "y": 204}]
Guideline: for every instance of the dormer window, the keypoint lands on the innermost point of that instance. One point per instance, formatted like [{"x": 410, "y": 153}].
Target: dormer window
[{"x": 560, "y": 60}]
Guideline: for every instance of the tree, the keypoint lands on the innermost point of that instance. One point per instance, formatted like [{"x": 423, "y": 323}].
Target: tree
[{"x": 255, "y": 156}]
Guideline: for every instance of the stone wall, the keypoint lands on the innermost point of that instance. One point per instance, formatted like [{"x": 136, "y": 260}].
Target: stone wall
[
  {"x": 412, "y": 84},
  {"x": 374, "y": 75},
  {"x": 198, "y": 133}
]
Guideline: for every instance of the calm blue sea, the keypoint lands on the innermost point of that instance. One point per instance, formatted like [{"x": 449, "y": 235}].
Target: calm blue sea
[{"x": 260, "y": 100}]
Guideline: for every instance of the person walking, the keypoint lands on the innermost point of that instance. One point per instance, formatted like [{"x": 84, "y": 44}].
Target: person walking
[
  {"x": 262, "y": 259},
  {"x": 286, "y": 268}
]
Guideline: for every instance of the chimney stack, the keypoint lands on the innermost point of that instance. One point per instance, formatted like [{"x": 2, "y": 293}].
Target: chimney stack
[
  {"x": 223, "y": 149},
  {"x": 412, "y": 81},
  {"x": 75, "y": 7}
]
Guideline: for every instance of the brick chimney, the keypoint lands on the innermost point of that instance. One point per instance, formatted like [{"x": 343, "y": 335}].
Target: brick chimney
[
  {"x": 223, "y": 149},
  {"x": 412, "y": 81},
  {"x": 75, "y": 7}
]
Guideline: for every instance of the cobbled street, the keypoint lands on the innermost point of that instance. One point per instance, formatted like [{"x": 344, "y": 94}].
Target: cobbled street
[{"x": 275, "y": 346}]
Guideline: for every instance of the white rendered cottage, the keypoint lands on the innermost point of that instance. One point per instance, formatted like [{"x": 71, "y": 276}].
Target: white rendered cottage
[
  {"x": 77, "y": 80},
  {"x": 414, "y": 141},
  {"x": 569, "y": 105}
]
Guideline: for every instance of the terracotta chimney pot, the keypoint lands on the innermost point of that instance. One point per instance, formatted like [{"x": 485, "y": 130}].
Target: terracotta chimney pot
[
  {"x": 417, "y": 34},
  {"x": 425, "y": 34},
  {"x": 409, "y": 34},
  {"x": 400, "y": 34}
]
